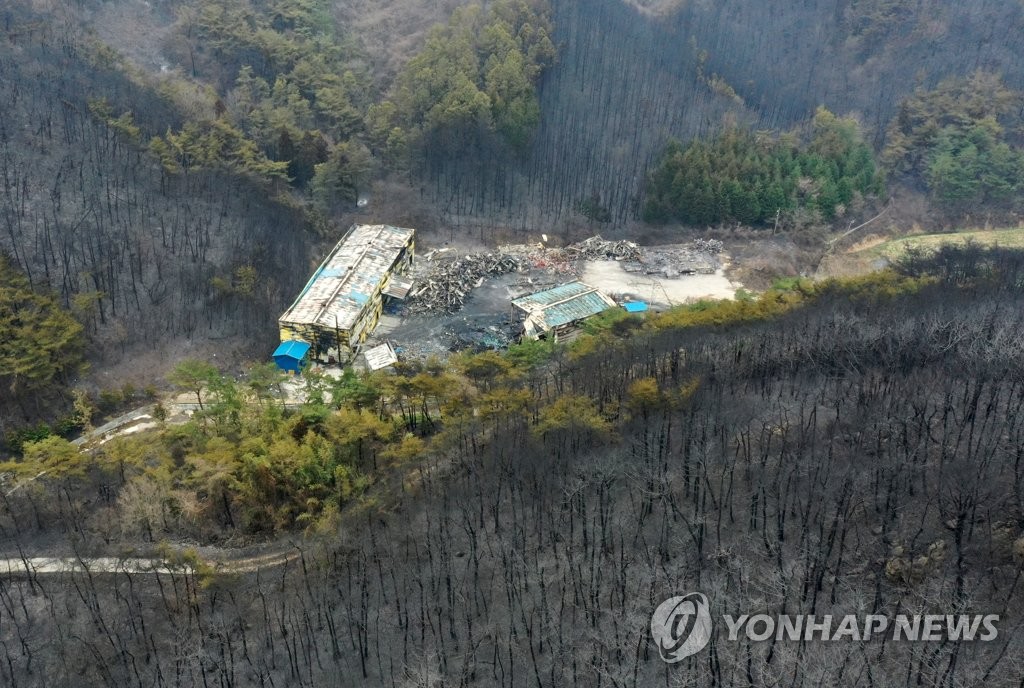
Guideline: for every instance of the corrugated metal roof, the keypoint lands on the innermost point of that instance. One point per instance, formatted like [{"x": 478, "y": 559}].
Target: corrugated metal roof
[
  {"x": 550, "y": 296},
  {"x": 563, "y": 304},
  {"x": 335, "y": 295},
  {"x": 292, "y": 349}
]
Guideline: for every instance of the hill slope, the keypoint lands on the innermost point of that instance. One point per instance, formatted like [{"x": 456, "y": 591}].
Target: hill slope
[
  {"x": 626, "y": 81},
  {"x": 858, "y": 455},
  {"x": 146, "y": 258}
]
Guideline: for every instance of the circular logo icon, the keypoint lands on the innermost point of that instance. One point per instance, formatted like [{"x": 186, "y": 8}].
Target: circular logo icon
[{"x": 681, "y": 626}]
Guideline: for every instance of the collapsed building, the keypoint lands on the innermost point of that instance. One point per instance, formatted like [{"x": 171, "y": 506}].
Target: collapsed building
[
  {"x": 555, "y": 312},
  {"x": 342, "y": 302}
]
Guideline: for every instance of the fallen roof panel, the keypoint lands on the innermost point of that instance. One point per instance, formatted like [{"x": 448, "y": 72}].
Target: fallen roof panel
[
  {"x": 398, "y": 288},
  {"x": 548, "y": 297},
  {"x": 380, "y": 356}
]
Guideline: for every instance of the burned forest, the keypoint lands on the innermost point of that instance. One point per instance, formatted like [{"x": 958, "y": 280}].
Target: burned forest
[
  {"x": 141, "y": 255},
  {"x": 511, "y": 343},
  {"x": 858, "y": 452}
]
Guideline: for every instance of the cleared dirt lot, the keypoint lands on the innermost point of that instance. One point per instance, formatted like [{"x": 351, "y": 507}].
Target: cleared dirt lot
[{"x": 610, "y": 277}]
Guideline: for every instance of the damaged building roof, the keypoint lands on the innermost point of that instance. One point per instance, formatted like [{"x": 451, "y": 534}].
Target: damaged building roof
[
  {"x": 341, "y": 286},
  {"x": 561, "y": 305}
]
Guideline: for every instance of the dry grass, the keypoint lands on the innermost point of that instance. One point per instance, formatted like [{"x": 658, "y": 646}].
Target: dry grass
[
  {"x": 875, "y": 251},
  {"x": 868, "y": 242},
  {"x": 894, "y": 248}
]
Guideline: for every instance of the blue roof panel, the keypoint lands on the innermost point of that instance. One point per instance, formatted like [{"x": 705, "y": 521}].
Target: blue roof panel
[
  {"x": 562, "y": 292},
  {"x": 563, "y": 304},
  {"x": 578, "y": 308},
  {"x": 292, "y": 349}
]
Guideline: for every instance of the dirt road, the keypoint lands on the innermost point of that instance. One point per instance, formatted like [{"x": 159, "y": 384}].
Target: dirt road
[{"x": 35, "y": 566}]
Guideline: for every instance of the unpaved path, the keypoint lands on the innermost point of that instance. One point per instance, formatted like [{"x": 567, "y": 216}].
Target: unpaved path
[
  {"x": 141, "y": 413},
  {"x": 33, "y": 566}
]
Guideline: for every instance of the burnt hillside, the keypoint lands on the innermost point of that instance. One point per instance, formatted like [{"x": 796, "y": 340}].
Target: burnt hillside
[
  {"x": 142, "y": 257},
  {"x": 857, "y": 455},
  {"x": 626, "y": 81},
  {"x": 151, "y": 245},
  {"x": 630, "y": 75}
]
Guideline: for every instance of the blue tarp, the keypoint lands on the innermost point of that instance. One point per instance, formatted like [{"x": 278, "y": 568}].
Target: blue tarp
[
  {"x": 292, "y": 348},
  {"x": 291, "y": 354},
  {"x": 635, "y": 307}
]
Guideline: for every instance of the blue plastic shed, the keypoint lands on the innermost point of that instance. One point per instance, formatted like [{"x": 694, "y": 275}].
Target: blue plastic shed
[{"x": 291, "y": 355}]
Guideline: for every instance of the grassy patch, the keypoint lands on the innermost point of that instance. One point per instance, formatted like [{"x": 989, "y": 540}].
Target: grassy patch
[{"x": 895, "y": 248}]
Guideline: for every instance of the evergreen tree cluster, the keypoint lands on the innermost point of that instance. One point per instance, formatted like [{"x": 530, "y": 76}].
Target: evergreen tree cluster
[
  {"x": 476, "y": 75},
  {"x": 285, "y": 67},
  {"x": 755, "y": 177},
  {"x": 285, "y": 78},
  {"x": 285, "y": 89},
  {"x": 958, "y": 138},
  {"x": 40, "y": 342}
]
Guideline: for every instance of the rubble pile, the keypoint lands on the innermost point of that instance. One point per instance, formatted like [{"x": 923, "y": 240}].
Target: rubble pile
[
  {"x": 479, "y": 337},
  {"x": 445, "y": 279},
  {"x": 446, "y": 287},
  {"x": 672, "y": 261},
  {"x": 596, "y": 248},
  {"x": 709, "y": 246},
  {"x": 540, "y": 257},
  {"x": 565, "y": 261}
]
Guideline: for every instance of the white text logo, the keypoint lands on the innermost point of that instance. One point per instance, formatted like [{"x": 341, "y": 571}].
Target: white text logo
[{"x": 681, "y": 626}]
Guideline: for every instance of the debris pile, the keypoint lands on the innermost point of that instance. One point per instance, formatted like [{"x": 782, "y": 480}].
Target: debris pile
[
  {"x": 483, "y": 337},
  {"x": 596, "y": 248},
  {"x": 445, "y": 288},
  {"x": 672, "y": 261},
  {"x": 445, "y": 279},
  {"x": 540, "y": 257},
  {"x": 709, "y": 246}
]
